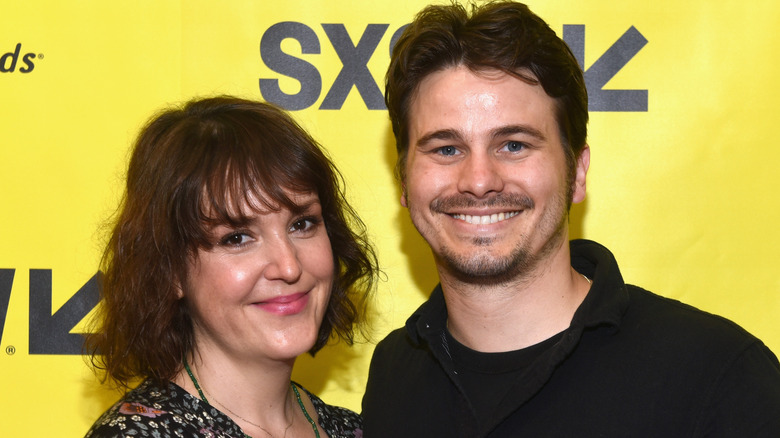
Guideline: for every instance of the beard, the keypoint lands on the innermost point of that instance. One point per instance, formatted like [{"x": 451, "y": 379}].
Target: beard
[{"x": 481, "y": 266}]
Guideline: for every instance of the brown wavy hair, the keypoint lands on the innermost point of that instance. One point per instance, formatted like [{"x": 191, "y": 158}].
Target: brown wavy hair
[
  {"x": 191, "y": 168},
  {"x": 503, "y": 36}
]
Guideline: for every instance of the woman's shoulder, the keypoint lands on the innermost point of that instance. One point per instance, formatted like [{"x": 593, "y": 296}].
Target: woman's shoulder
[
  {"x": 152, "y": 411},
  {"x": 338, "y": 422}
]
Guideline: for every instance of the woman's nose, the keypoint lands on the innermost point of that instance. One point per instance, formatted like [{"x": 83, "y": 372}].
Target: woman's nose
[{"x": 283, "y": 262}]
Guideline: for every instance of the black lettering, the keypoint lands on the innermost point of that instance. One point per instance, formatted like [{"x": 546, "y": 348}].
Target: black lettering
[
  {"x": 13, "y": 56},
  {"x": 574, "y": 37},
  {"x": 354, "y": 59},
  {"x": 28, "y": 62},
  {"x": 50, "y": 332},
  {"x": 606, "y": 67},
  {"x": 288, "y": 65},
  {"x": 6, "y": 282}
]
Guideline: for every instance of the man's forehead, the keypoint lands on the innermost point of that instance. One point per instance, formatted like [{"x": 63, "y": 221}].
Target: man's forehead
[
  {"x": 487, "y": 73},
  {"x": 455, "y": 97}
]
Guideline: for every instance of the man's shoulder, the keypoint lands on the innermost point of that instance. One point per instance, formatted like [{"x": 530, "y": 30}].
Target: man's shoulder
[
  {"x": 396, "y": 342},
  {"x": 398, "y": 351},
  {"x": 672, "y": 321},
  {"x": 649, "y": 304},
  {"x": 700, "y": 354}
]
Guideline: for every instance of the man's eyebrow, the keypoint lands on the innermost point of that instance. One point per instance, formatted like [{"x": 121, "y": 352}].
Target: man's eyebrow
[
  {"x": 442, "y": 134},
  {"x": 508, "y": 130},
  {"x": 503, "y": 131}
]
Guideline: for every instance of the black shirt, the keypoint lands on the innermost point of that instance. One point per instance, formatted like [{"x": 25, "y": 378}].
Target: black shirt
[
  {"x": 632, "y": 364},
  {"x": 484, "y": 376}
]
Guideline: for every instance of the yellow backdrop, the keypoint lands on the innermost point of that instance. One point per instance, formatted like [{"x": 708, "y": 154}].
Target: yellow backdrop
[{"x": 681, "y": 187}]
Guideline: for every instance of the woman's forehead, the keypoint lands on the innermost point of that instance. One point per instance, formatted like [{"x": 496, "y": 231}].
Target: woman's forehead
[{"x": 258, "y": 201}]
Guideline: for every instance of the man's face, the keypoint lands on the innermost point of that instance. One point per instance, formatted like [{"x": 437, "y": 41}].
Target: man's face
[{"x": 486, "y": 178}]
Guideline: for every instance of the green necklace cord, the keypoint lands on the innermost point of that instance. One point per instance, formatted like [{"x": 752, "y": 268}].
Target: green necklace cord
[
  {"x": 305, "y": 413},
  {"x": 294, "y": 388},
  {"x": 194, "y": 381}
]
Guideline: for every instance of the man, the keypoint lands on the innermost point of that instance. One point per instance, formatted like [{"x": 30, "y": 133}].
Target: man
[{"x": 529, "y": 334}]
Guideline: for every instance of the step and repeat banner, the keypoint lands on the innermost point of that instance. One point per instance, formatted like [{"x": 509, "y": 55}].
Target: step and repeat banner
[{"x": 682, "y": 186}]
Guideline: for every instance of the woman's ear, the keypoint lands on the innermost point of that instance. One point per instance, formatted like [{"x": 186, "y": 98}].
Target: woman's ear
[
  {"x": 178, "y": 287},
  {"x": 179, "y": 290},
  {"x": 179, "y": 282}
]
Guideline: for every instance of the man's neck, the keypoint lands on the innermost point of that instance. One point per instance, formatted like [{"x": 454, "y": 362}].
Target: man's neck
[{"x": 516, "y": 314}]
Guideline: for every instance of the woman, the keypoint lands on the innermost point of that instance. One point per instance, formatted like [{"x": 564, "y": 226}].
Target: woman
[{"x": 232, "y": 255}]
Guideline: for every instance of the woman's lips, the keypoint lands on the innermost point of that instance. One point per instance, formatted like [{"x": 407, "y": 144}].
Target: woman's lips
[{"x": 285, "y": 304}]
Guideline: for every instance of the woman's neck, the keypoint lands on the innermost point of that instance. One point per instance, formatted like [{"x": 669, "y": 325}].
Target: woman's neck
[{"x": 257, "y": 396}]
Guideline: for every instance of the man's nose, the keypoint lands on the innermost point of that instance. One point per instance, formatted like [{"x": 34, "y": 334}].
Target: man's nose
[{"x": 479, "y": 175}]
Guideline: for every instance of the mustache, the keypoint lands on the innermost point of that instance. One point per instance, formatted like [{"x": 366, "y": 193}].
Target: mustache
[{"x": 512, "y": 201}]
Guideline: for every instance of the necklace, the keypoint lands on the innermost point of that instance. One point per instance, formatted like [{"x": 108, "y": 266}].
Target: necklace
[
  {"x": 294, "y": 388},
  {"x": 253, "y": 424},
  {"x": 586, "y": 278},
  {"x": 306, "y": 414}
]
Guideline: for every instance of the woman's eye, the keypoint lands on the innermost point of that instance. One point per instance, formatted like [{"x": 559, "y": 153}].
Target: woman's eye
[
  {"x": 447, "y": 150},
  {"x": 234, "y": 239},
  {"x": 305, "y": 224}
]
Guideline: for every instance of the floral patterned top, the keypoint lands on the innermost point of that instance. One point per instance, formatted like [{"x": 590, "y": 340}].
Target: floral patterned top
[{"x": 149, "y": 411}]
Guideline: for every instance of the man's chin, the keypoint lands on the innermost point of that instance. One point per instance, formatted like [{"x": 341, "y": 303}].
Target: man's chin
[{"x": 486, "y": 270}]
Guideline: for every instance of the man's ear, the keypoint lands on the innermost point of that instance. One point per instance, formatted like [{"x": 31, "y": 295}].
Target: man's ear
[
  {"x": 403, "y": 196},
  {"x": 581, "y": 172}
]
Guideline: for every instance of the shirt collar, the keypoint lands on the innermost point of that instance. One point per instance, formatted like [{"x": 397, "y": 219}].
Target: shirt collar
[{"x": 604, "y": 305}]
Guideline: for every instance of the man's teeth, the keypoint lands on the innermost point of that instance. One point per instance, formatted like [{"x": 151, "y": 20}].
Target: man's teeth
[{"x": 487, "y": 219}]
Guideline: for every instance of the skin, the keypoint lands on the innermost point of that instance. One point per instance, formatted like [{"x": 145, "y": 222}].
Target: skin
[
  {"x": 257, "y": 299},
  {"x": 487, "y": 187}
]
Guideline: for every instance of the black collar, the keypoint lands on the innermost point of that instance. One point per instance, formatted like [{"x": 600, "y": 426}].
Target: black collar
[{"x": 603, "y": 306}]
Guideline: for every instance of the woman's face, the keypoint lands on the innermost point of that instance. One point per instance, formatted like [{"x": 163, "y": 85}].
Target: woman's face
[{"x": 261, "y": 291}]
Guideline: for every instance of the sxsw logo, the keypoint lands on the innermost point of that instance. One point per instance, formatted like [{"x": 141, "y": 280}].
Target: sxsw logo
[
  {"x": 355, "y": 57},
  {"x": 16, "y": 61},
  {"x": 50, "y": 332}
]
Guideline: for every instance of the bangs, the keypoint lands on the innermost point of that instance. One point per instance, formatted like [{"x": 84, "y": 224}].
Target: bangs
[
  {"x": 233, "y": 192},
  {"x": 242, "y": 162}
]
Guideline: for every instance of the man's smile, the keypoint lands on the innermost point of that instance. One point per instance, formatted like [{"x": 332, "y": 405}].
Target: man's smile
[{"x": 485, "y": 219}]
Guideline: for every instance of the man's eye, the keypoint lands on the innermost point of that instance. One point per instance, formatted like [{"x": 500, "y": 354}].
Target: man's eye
[
  {"x": 514, "y": 146},
  {"x": 447, "y": 150}
]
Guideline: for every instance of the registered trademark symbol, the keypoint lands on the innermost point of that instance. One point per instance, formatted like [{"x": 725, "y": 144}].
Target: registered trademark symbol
[
  {"x": 40, "y": 56},
  {"x": 10, "y": 350}
]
